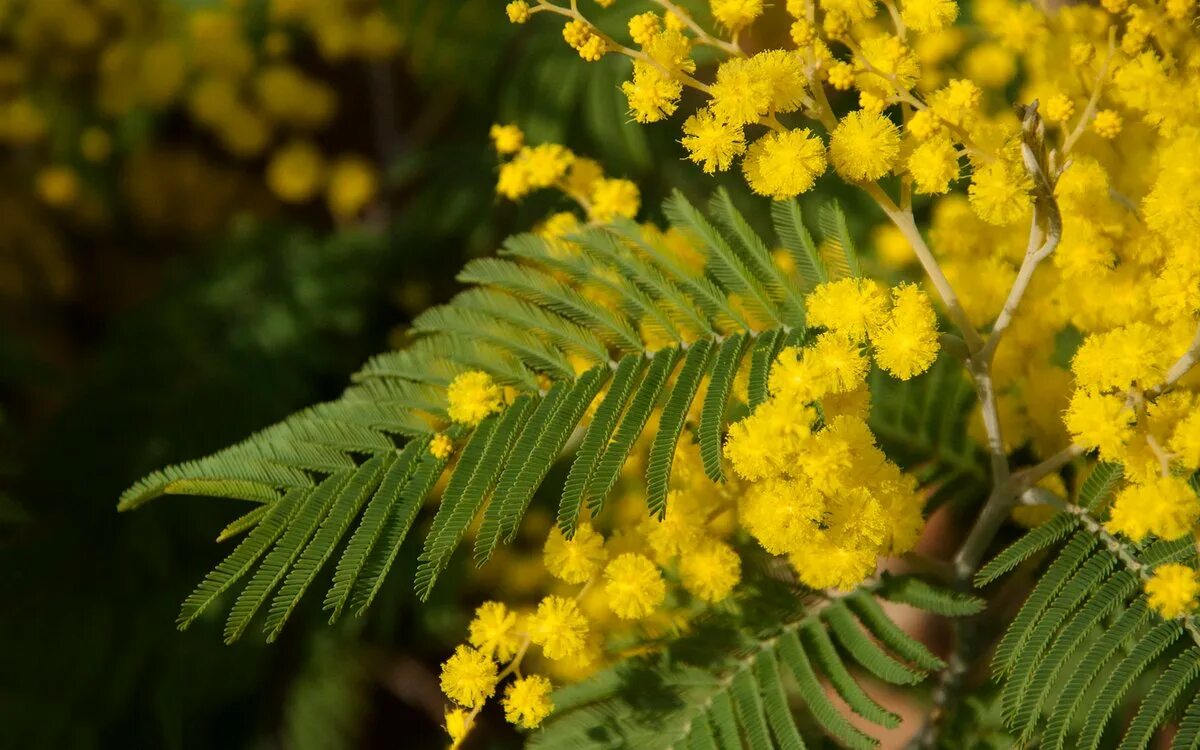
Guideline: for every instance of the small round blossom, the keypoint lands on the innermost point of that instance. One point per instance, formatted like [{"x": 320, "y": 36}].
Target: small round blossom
[
  {"x": 907, "y": 343},
  {"x": 841, "y": 76},
  {"x": 494, "y": 631},
  {"x": 577, "y": 559},
  {"x": 527, "y": 701},
  {"x": 1166, "y": 507},
  {"x": 710, "y": 570},
  {"x": 923, "y": 124},
  {"x": 851, "y": 306},
  {"x": 473, "y": 395},
  {"x": 458, "y": 725},
  {"x": 864, "y": 146},
  {"x": 999, "y": 193},
  {"x": 506, "y": 139},
  {"x": 736, "y": 14},
  {"x": 558, "y": 627},
  {"x": 633, "y": 586},
  {"x": 1172, "y": 590},
  {"x": 928, "y": 15},
  {"x": 441, "y": 446},
  {"x": 57, "y": 186},
  {"x": 1058, "y": 108},
  {"x": 1107, "y": 123},
  {"x": 740, "y": 94},
  {"x": 518, "y": 11},
  {"x": 652, "y": 94},
  {"x": 933, "y": 166},
  {"x": 644, "y": 26},
  {"x": 468, "y": 677},
  {"x": 803, "y": 33},
  {"x": 783, "y": 165},
  {"x": 1099, "y": 421},
  {"x": 711, "y": 142},
  {"x": 613, "y": 198}
]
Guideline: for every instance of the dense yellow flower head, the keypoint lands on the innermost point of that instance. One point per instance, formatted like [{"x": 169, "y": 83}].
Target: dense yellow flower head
[
  {"x": 1166, "y": 507},
  {"x": 712, "y": 142},
  {"x": 613, "y": 198},
  {"x": 577, "y": 559},
  {"x": 458, "y": 725},
  {"x": 472, "y": 396},
  {"x": 558, "y": 627},
  {"x": 441, "y": 446},
  {"x": 710, "y": 570},
  {"x": 468, "y": 677},
  {"x": 736, "y": 14},
  {"x": 506, "y": 139},
  {"x": 1172, "y": 590},
  {"x": 928, "y": 15},
  {"x": 784, "y": 164},
  {"x": 633, "y": 586},
  {"x": 352, "y": 185},
  {"x": 494, "y": 631},
  {"x": 864, "y": 146},
  {"x": 527, "y": 701},
  {"x": 850, "y": 306},
  {"x": 933, "y": 165},
  {"x": 906, "y": 344}
]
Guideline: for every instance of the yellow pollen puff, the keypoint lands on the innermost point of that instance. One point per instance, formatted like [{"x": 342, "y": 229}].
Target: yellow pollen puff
[
  {"x": 558, "y": 627},
  {"x": 518, "y": 11},
  {"x": 458, "y": 726},
  {"x": 633, "y": 586},
  {"x": 527, "y": 701},
  {"x": 850, "y": 306},
  {"x": 907, "y": 344},
  {"x": 928, "y": 15},
  {"x": 864, "y": 146},
  {"x": 506, "y": 139},
  {"x": 999, "y": 193},
  {"x": 577, "y": 559},
  {"x": 613, "y": 198},
  {"x": 803, "y": 33},
  {"x": 783, "y": 165},
  {"x": 441, "y": 446},
  {"x": 1107, "y": 124},
  {"x": 472, "y": 396},
  {"x": 1058, "y": 108},
  {"x": 933, "y": 166},
  {"x": 468, "y": 677},
  {"x": 1165, "y": 507},
  {"x": 643, "y": 27},
  {"x": 736, "y": 14},
  {"x": 653, "y": 95},
  {"x": 494, "y": 631},
  {"x": 710, "y": 570},
  {"x": 841, "y": 76},
  {"x": 1099, "y": 421},
  {"x": 712, "y": 143},
  {"x": 1172, "y": 590}
]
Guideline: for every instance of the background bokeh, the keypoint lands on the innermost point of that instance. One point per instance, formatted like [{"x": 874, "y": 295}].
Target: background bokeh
[{"x": 211, "y": 212}]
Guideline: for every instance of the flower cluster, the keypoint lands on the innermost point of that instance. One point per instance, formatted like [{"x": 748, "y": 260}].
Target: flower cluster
[
  {"x": 821, "y": 491},
  {"x": 1071, "y": 218},
  {"x": 549, "y": 165}
]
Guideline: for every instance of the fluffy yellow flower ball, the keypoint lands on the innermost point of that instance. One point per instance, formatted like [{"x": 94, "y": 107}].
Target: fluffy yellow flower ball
[
  {"x": 527, "y": 701},
  {"x": 473, "y": 396},
  {"x": 468, "y": 677},
  {"x": 1166, "y": 507},
  {"x": 907, "y": 342},
  {"x": 1172, "y": 590},
  {"x": 928, "y": 15},
  {"x": 494, "y": 631},
  {"x": 441, "y": 446},
  {"x": 613, "y": 198},
  {"x": 352, "y": 185},
  {"x": 710, "y": 570},
  {"x": 783, "y": 165},
  {"x": 736, "y": 14},
  {"x": 850, "y": 306},
  {"x": 558, "y": 627},
  {"x": 711, "y": 142},
  {"x": 577, "y": 559},
  {"x": 864, "y": 146},
  {"x": 633, "y": 586}
]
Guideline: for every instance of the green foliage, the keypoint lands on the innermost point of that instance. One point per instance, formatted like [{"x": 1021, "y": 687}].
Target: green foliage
[
  {"x": 341, "y": 484},
  {"x": 1085, "y": 648},
  {"x": 737, "y": 679}
]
